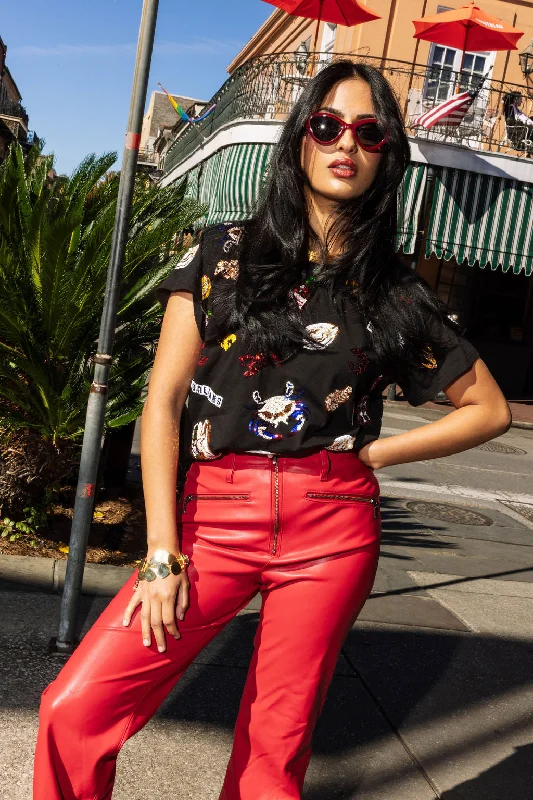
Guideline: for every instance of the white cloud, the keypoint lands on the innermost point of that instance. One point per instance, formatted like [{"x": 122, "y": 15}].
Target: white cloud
[{"x": 202, "y": 46}]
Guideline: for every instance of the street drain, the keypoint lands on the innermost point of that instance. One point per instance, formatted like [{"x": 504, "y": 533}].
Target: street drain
[
  {"x": 498, "y": 447},
  {"x": 448, "y": 513}
]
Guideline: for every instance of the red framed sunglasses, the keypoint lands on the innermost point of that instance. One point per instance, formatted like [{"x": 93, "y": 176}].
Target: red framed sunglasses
[{"x": 326, "y": 128}]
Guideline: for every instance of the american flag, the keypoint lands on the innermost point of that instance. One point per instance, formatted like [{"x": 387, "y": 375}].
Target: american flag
[{"x": 449, "y": 114}]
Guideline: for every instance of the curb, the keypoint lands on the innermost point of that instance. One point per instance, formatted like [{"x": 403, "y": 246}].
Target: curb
[
  {"x": 41, "y": 574},
  {"x": 528, "y": 426}
]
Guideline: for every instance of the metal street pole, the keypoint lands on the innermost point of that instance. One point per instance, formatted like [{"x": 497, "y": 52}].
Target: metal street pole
[
  {"x": 94, "y": 421},
  {"x": 420, "y": 235}
]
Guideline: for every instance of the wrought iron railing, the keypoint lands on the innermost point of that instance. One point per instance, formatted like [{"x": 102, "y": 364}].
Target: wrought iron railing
[
  {"x": 11, "y": 109},
  {"x": 147, "y": 156},
  {"x": 266, "y": 88}
]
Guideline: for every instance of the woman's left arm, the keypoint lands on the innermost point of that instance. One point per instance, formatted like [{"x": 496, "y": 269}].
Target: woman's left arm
[{"x": 481, "y": 413}]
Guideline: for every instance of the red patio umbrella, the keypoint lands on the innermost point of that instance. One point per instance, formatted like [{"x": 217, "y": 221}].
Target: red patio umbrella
[
  {"x": 467, "y": 28},
  {"x": 340, "y": 12}
]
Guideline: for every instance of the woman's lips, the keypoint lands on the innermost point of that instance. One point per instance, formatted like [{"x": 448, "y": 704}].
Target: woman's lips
[{"x": 343, "y": 168}]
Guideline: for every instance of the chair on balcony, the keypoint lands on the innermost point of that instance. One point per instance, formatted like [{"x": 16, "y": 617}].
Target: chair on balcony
[{"x": 518, "y": 126}]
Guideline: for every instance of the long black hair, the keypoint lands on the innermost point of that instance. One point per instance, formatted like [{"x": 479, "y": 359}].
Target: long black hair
[{"x": 396, "y": 304}]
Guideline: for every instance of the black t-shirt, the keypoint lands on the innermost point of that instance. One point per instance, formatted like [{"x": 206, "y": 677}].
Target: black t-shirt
[{"x": 326, "y": 396}]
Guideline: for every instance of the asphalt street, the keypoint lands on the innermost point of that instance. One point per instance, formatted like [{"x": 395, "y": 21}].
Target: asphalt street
[{"x": 485, "y": 475}]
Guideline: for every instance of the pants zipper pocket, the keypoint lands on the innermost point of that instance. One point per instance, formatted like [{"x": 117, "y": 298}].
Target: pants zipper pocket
[
  {"x": 374, "y": 501},
  {"x": 190, "y": 497}
]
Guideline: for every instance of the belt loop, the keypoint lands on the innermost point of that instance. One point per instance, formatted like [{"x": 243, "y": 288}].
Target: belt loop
[
  {"x": 324, "y": 465},
  {"x": 231, "y": 471}
]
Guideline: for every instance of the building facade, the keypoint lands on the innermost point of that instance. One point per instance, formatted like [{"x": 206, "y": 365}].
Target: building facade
[
  {"x": 466, "y": 206},
  {"x": 13, "y": 116},
  {"x": 161, "y": 124}
]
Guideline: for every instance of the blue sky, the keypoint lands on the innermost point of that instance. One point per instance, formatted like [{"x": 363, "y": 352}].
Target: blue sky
[{"x": 73, "y": 61}]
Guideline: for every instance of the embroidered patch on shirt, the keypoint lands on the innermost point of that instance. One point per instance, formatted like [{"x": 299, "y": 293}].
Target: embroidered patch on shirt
[
  {"x": 341, "y": 443},
  {"x": 228, "y": 269},
  {"x": 232, "y": 238},
  {"x": 206, "y": 391},
  {"x": 301, "y": 294},
  {"x": 283, "y": 409},
  {"x": 363, "y": 417},
  {"x": 322, "y": 334},
  {"x": 254, "y": 363},
  {"x": 228, "y": 341},
  {"x": 337, "y": 398},
  {"x": 359, "y": 366},
  {"x": 431, "y": 361},
  {"x": 206, "y": 287},
  {"x": 201, "y": 442},
  {"x": 187, "y": 258},
  {"x": 202, "y": 359}
]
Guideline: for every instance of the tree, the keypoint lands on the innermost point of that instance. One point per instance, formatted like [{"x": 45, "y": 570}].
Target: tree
[{"x": 55, "y": 238}]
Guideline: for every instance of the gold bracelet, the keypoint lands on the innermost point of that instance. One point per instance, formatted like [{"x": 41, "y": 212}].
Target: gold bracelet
[{"x": 161, "y": 565}]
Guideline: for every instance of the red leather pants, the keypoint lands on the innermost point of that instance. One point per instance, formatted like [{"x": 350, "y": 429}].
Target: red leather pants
[{"x": 305, "y": 533}]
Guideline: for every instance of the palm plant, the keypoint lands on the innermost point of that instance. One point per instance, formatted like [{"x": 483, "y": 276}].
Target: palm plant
[{"x": 55, "y": 238}]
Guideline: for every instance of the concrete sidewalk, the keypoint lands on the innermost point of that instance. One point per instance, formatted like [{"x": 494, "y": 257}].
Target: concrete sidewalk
[{"x": 431, "y": 697}]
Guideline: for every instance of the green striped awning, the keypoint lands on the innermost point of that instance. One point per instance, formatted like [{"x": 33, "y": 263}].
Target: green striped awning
[
  {"x": 481, "y": 218},
  {"x": 230, "y": 181},
  {"x": 243, "y": 169},
  {"x": 410, "y": 196}
]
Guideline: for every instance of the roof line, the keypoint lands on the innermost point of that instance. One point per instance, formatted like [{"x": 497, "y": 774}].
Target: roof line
[{"x": 183, "y": 96}]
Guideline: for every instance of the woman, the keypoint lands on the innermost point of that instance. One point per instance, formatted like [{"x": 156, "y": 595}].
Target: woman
[
  {"x": 512, "y": 102},
  {"x": 283, "y": 355}
]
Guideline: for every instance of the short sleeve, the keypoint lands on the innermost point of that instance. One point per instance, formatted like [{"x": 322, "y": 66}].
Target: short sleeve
[
  {"x": 434, "y": 374},
  {"x": 185, "y": 277}
]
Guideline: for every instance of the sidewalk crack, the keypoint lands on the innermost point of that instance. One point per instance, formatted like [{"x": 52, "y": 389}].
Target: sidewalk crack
[{"x": 412, "y": 757}]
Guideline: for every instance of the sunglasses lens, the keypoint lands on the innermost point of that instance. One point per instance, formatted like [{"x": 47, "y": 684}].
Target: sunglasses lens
[
  {"x": 370, "y": 134},
  {"x": 325, "y": 129}
]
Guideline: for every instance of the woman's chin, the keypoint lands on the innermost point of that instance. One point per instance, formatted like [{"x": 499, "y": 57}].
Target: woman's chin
[{"x": 338, "y": 191}]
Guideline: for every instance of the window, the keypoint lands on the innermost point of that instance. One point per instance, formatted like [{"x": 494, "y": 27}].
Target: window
[{"x": 443, "y": 62}]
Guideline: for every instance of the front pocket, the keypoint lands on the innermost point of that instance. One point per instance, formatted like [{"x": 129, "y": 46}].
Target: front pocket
[
  {"x": 347, "y": 498},
  {"x": 190, "y": 497}
]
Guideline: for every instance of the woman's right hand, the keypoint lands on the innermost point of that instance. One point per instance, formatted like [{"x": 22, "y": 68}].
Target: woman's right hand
[{"x": 164, "y": 600}]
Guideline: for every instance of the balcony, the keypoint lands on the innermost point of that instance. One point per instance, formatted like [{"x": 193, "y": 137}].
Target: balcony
[
  {"x": 147, "y": 157},
  {"x": 13, "y": 111},
  {"x": 266, "y": 88}
]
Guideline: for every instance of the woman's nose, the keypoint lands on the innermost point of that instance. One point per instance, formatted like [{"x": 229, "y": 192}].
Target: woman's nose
[{"x": 347, "y": 143}]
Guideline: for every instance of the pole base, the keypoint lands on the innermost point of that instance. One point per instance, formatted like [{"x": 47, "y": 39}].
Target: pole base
[{"x": 56, "y": 648}]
